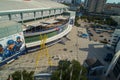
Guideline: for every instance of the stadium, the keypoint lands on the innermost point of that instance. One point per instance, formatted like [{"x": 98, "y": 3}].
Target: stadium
[{"x": 23, "y": 21}]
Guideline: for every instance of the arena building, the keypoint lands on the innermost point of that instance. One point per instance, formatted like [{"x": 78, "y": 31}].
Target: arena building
[{"x": 26, "y": 20}]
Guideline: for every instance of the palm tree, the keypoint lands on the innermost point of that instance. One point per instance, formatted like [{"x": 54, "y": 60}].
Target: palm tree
[{"x": 22, "y": 75}]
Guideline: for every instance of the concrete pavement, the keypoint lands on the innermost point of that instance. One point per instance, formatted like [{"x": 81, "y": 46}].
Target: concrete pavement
[{"x": 80, "y": 52}]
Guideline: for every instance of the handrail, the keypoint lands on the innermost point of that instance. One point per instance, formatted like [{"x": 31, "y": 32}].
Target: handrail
[
  {"x": 45, "y": 31},
  {"x": 65, "y": 32}
]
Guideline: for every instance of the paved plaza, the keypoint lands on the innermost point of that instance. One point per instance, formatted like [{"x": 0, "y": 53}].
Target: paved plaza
[{"x": 76, "y": 48}]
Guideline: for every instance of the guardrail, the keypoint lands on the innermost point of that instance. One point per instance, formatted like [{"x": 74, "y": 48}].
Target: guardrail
[{"x": 57, "y": 36}]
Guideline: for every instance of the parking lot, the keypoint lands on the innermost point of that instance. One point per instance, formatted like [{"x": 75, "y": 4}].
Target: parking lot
[{"x": 100, "y": 35}]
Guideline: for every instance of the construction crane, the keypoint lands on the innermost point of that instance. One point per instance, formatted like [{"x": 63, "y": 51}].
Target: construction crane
[{"x": 43, "y": 51}]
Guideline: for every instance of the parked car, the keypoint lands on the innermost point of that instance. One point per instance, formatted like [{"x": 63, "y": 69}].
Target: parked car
[
  {"x": 101, "y": 35},
  {"x": 90, "y": 34},
  {"x": 98, "y": 31}
]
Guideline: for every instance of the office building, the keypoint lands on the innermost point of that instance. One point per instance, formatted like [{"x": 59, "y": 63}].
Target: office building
[
  {"x": 113, "y": 71},
  {"x": 95, "y": 6},
  {"x": 112, "y": 9},
  {"x": 76, "y": 2}
]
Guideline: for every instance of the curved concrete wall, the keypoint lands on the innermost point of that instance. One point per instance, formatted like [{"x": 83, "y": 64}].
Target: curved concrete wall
[{"x": 58, "y": 36}]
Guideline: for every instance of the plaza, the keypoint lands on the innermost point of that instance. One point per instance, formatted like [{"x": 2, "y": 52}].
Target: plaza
[{"x": 75, "y": 48}]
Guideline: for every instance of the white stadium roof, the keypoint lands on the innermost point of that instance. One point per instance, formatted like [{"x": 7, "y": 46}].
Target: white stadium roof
[{"x": 21, "y": 5}]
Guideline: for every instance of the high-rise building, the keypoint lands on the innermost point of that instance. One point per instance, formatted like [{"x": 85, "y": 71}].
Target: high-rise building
[
  {"x": 112, "y": 8},
  {"x": 76, "y": 2},
  {"x": 113, "y": 71},
  {"x": 95, "y": 5}
]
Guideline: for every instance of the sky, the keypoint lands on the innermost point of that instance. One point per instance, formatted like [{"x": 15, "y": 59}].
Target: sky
[{"x": 111, "y": 1}]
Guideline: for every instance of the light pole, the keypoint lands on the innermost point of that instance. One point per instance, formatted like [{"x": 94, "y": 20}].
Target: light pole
[
  {"x": 80, "y": 74},
  {"x": 61, "y": 73},
  {"x": 71, "y": 72}
]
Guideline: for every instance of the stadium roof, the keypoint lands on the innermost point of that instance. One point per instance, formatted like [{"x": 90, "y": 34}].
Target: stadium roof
[
  {"x": 8, "y": 28},
  {"x": 4, "y": 24},
  {"x": 22, "y": 5}
]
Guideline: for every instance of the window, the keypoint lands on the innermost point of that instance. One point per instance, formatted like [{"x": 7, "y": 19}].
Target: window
[{"x": 116, "y": 69}]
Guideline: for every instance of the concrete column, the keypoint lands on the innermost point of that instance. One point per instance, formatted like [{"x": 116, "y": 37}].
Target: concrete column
[
  {"x": 21, "y": 14},
  {"x": 35, "y": 16},
  {"x": 54, "y": 12},
  {"x": 60, "y": 11},
  {"x": 9, "y": 15},
  {"x": 49, "y": 13},
  {"x": 42, "y": 14}
]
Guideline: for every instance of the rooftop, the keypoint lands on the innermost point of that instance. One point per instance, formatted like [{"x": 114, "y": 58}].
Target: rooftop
[
  {"x": 4, "y": 24},
  {"x": 22, "y": 5}
]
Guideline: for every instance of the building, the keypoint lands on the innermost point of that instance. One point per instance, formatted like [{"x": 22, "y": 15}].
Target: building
[
  {"x": 95, "y": 6},
  {"x": 75, "y": 5},
  {"x": 116, "y": 69},
  {"x": 112, "y": 9},
  {"x": 36, "y": 18},
  {"x": 114, "y": 41},
  {"x": 12, "y": 43},
  {"x": 113, "y": 71},
  {"x": 29, "y": 10},
  {"x": 63, "y": 1},
  {"x": 76, "y": 2}
]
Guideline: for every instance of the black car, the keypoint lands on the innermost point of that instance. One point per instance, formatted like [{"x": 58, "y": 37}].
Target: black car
[
  {"x": 90, "y": 34},
  {"x": 71, "y": 21}
]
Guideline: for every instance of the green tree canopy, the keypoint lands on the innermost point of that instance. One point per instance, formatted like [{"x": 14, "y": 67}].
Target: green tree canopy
[
  {"x": 67, "y": 70},
  {"x": 17, "y": 75}
]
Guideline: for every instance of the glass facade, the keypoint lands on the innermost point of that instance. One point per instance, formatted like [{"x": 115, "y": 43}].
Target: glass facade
[
  {"x": 37, "y": 37},
  {"x": 116, "y": 70}
]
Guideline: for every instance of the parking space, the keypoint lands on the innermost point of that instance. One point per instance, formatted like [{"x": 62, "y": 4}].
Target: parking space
[{"x": 99, "y": 35}]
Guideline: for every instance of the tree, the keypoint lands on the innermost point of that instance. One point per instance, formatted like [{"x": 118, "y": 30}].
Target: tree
[
  {"x": 69, "y": 69},
  {"x": 17, "y": 75}
]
